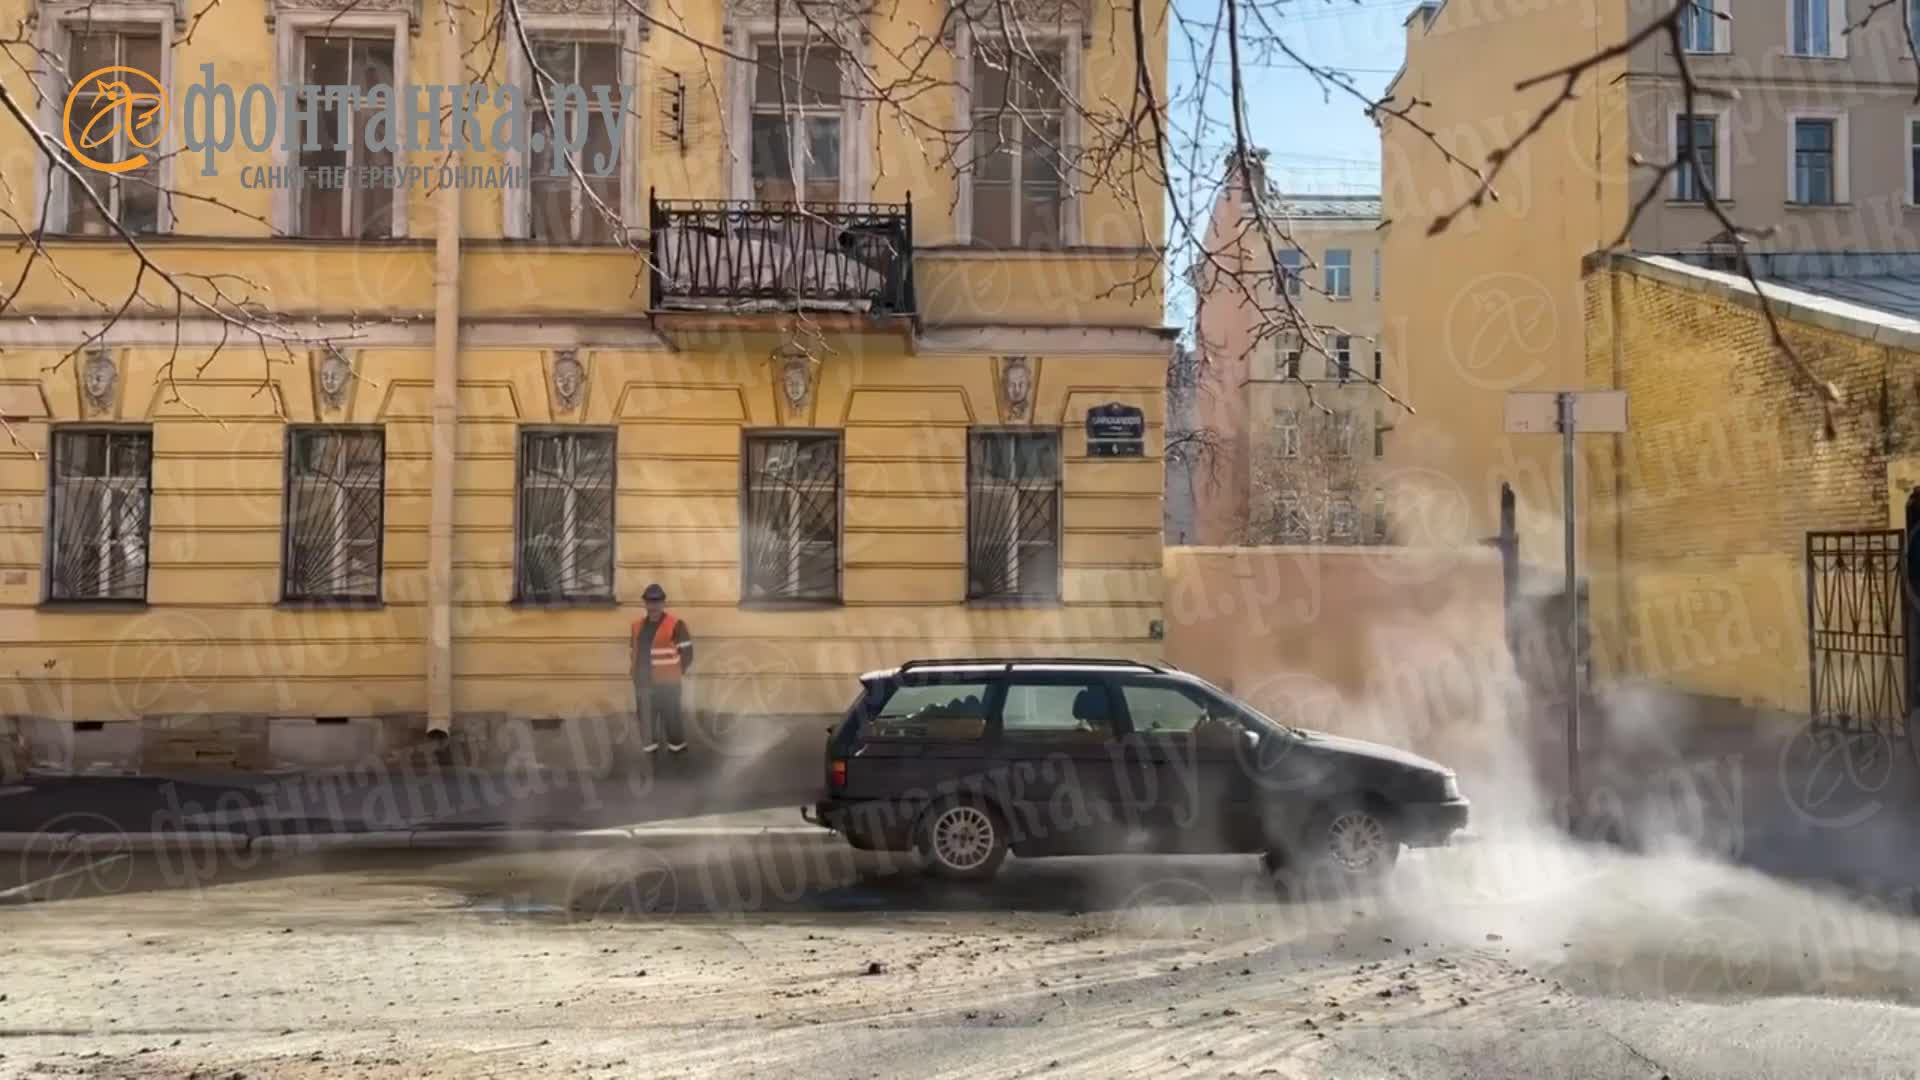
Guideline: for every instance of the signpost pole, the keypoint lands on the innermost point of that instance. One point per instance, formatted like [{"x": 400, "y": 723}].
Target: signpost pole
[{"x": 1566, "y": 402}]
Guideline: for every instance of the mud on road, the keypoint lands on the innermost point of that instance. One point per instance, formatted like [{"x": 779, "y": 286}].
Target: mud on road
[{"x": 785, "y": 957}]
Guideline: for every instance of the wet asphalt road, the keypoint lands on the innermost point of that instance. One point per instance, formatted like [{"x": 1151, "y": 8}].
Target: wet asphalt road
[{"x": 794, "y": 957}]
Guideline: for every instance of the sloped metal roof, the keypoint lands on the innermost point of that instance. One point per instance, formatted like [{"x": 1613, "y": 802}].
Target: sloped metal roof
[
  {"x": 1887, "y": 282},
  {"x": 1328, "y": 207}
]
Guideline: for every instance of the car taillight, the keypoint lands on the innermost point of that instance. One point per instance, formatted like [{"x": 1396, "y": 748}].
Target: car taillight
[{"x": 837, "y": 772}]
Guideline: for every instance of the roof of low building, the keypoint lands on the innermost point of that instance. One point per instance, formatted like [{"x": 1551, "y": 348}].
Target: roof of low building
[
  {"x": 1874, "y": 296},
  {"x": 1328, "y": 207}
]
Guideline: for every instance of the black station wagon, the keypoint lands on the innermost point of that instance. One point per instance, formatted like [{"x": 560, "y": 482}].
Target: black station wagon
[{"x": 965, "y": 760}]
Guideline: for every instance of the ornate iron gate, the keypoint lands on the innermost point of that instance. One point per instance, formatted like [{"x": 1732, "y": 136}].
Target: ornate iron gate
[{"x": 1857, "y": 646}]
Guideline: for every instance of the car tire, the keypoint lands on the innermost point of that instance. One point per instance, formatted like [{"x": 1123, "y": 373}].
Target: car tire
[
  {"x": 962, "y": 839},
  {"x": 1346, "y": 847}
]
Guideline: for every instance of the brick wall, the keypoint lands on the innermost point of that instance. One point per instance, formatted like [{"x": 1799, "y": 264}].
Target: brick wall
[{"x": 1697, "y": 532}]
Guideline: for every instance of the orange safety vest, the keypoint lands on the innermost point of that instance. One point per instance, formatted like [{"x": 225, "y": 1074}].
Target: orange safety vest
[{"x": 664, "y": 655}]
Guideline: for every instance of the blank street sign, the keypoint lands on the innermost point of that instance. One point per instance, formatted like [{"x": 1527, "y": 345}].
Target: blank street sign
[{"x": 1537, "y": 412}]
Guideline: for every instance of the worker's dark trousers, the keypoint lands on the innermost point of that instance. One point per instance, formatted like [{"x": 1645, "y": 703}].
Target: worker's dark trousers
[{"x": 657, "y": 712}]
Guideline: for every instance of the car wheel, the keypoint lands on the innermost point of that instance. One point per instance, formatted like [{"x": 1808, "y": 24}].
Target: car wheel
[
  {"x": 962, "y": 839},
  {"x": 1345, "y": 847}
]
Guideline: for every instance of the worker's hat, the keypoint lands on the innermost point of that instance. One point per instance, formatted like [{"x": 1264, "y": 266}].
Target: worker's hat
[{"x": 654, "y": 592}]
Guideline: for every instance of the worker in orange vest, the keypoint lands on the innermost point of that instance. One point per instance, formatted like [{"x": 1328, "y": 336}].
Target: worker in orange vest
[{"x": 661, "y": 652}]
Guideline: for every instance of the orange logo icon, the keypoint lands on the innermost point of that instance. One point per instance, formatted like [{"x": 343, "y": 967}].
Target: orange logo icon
[{"x": 115, "y": 102}]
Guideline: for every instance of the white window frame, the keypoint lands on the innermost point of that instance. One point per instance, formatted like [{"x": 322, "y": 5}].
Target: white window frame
[
  {"x": 1338, "y": 369},
  {"x": 291, "y": 28},
  {"x": 1722, "y": 163},
  {"x": 1842, "y": 150},
  {"x": 1286, "y": 430},
  {"x": 1071, "y": 40},
  {"x": 744, "y": 37},
  {"x": 1290, "y": 274},
  {"x": 624, "y": 30},
  {"x": 55, "y": 21},
  {"x": 1836, "y": 31},
  {"x": 1340, "y": 434},
  {"x": 1722, "y": 29},
  {"x": 1327, "y": 268}
]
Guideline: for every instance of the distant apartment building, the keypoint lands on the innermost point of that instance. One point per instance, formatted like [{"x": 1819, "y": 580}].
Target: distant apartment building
[
  {"x": 1806, "y": 131},
  {"x": 1289, "y": 387}
]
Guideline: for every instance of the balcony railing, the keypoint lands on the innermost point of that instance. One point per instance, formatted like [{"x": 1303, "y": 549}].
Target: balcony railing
[{"x": 782, "y": 256}]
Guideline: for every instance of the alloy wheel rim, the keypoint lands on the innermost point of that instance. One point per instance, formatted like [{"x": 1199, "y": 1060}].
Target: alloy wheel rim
[
  {"x": 963, "y": 837},
  {"x": 1357, "y": 839}
]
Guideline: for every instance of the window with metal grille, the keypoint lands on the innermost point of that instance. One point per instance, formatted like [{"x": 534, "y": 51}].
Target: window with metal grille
[
  {"x": 97, "y": 125},
  {"x": 353, "y": 210},
  {"x": 100, "y": 514},
  {"x": 565, "y": 530},
  {"x": 336, "y": 484},
  {"x": 1017, "y": 151},
  {"x": 1013, "y": 515},
  {"x": 790, "y": 528},
  {"x": 798, "y": 114},
  {"x": 561, "y": 209},
  {"x": 1287, "y": 433}
]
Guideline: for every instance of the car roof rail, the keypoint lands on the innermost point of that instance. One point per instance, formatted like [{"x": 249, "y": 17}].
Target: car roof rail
[{"x": 1007, "y": 663}]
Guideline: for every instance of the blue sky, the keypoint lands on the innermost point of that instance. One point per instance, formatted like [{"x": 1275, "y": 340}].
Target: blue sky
[
  {"x": 1318, "y": 143},
  {"x": 1318, "y": 138}
]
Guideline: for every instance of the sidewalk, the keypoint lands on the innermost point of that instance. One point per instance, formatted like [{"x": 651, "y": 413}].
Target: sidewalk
[{"x": 394, "y": 807}]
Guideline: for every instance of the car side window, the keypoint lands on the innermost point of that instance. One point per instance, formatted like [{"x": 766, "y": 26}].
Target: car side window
[
  {"x": 933, "y": 711},
  {"x": 1158, "y": 709},
  {"x": 1054, "y": 709},
  {"x": 1163, "y": 708}
]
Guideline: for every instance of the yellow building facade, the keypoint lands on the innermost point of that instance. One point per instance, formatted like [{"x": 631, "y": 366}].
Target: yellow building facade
[
  {"x": 1703, "y": 573},
  {"x": 393, "y": 465}
]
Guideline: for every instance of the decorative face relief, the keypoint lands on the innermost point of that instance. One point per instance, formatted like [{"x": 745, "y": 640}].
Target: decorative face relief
[
  {"x": 336, "y": 374},
  {"x": 1016, "y": 387},
  {"x": 569, "y": 381},
  {"x": 796, "y": 381},
  {"x": 98, "y": 379}
]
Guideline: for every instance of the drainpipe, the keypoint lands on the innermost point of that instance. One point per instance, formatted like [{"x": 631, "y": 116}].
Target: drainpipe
[{"x": 446, "y": 416}]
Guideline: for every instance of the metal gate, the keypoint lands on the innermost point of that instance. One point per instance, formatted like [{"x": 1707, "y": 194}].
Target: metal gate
[{"x": 1857, "y": 619}]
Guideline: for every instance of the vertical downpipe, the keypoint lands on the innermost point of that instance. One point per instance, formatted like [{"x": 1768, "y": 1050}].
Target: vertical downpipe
[{"x": 446, "y": 412}]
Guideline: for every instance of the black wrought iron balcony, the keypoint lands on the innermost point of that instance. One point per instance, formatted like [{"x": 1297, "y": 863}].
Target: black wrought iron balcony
[{"x": 782, "y": 256}]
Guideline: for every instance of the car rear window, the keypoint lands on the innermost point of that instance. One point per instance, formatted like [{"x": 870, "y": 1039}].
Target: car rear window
[{"x": 948, "y": 710}]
